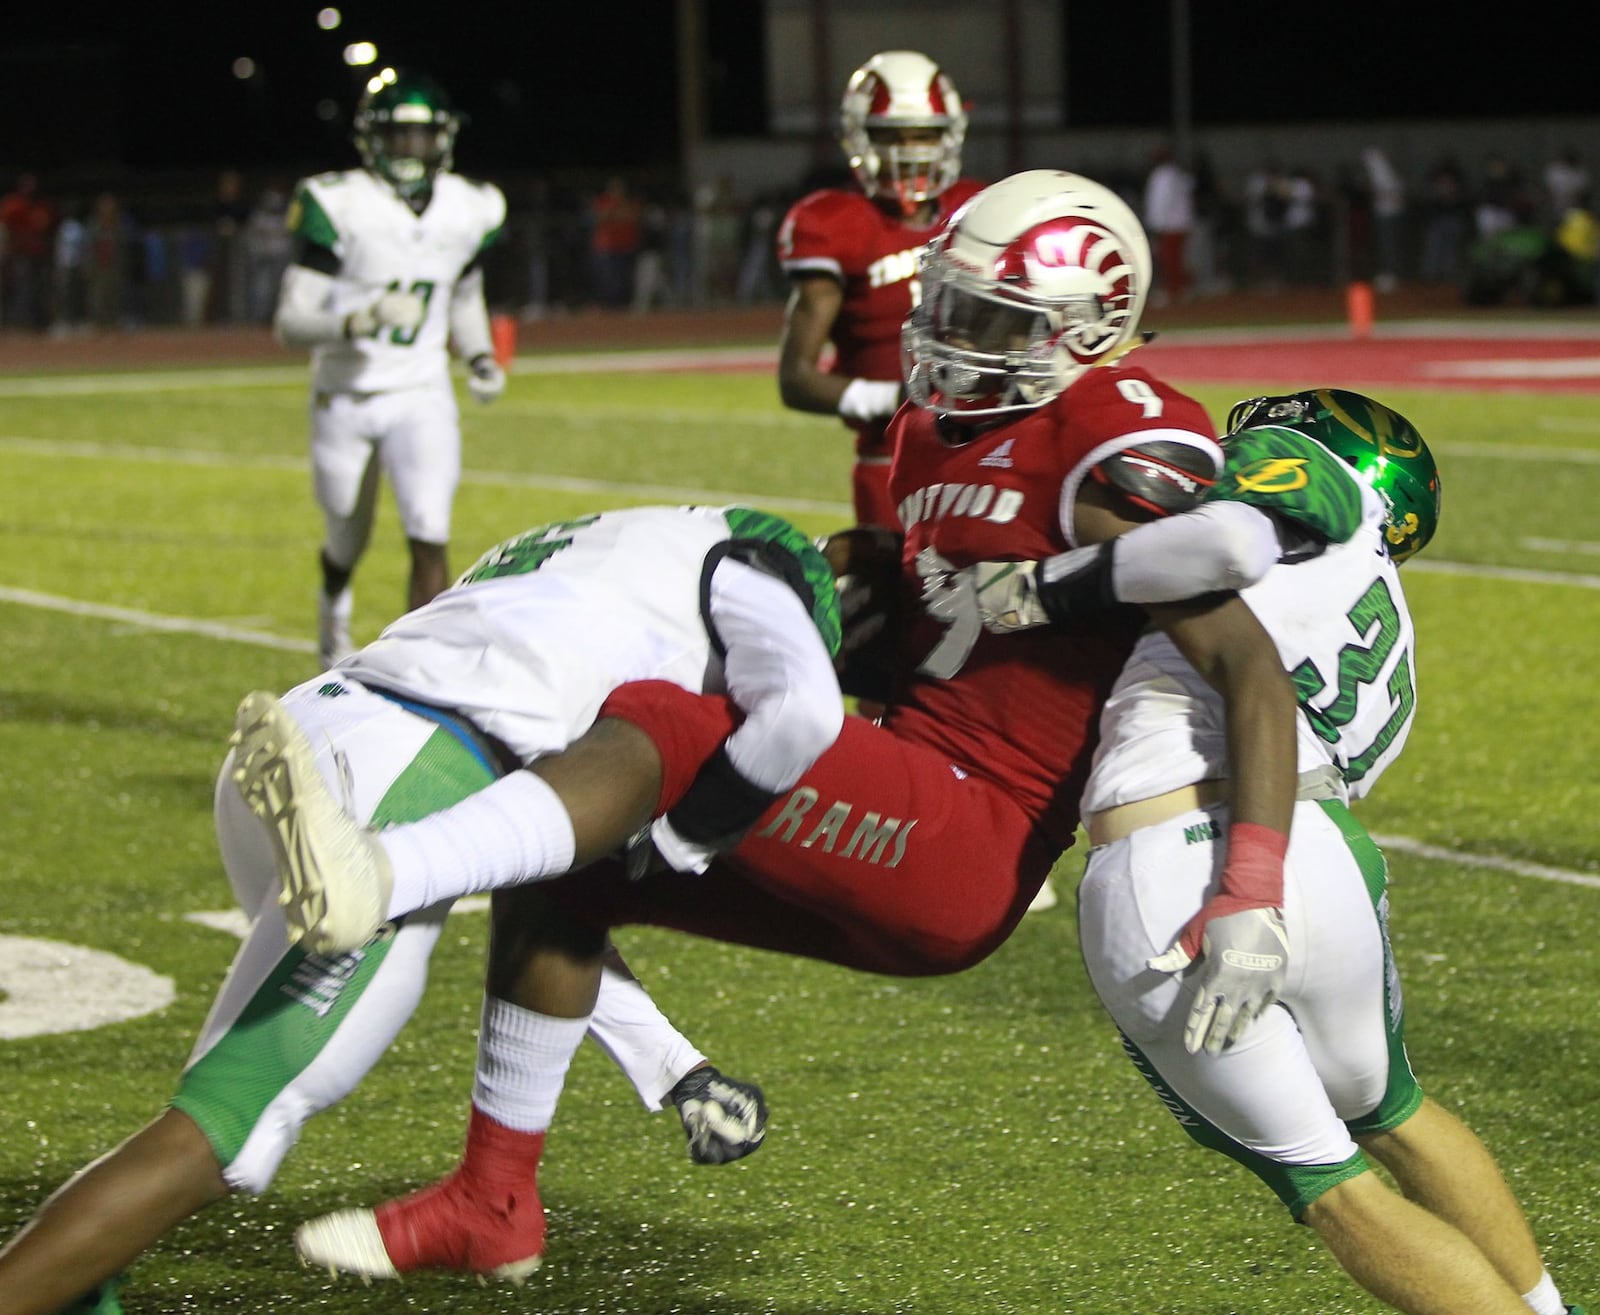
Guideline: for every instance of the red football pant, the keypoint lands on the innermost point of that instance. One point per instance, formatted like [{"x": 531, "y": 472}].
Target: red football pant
[{"x": 886, "y": 857}]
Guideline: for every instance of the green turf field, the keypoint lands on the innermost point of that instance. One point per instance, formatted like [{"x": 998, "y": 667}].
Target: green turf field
[{"x": 971, "y": 1146}]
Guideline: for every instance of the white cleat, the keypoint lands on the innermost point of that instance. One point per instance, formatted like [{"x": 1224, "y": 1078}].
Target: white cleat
[
  {"x": 345, "y": 1242},
  {"x": 1045, "y": 899},
  {"x": 336, "y": 878}
]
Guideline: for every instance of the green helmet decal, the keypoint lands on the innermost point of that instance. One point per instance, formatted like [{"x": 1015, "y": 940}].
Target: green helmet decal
[
  {"x": 1383, "y": 446},
  {"x": 405, "y": 130}
]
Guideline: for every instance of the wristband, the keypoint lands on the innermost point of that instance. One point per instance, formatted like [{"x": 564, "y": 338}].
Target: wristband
[
  {"x": 720, "y": 803},
  {"x": 1073, "y": 583},
  {"x": 1254, "y": 868}
]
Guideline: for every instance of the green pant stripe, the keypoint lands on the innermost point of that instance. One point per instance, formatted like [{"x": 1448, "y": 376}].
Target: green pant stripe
[
  {"x": 1402, "y": 1096},
  {"x": 289, "y": 1020}
]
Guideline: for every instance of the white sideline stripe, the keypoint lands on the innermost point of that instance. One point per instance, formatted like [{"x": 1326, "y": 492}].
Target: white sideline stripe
[
  {"x": 1538, "y": 871},
  {"x": 1577, "y": 456},
  {"x": 1517, "y": 574},
  {"x": 1562, "y": 545},
  {"x": 186, "y": 625},
  {"x": 486, "y": 478},
  {"x": 1574, "y": 424},
  {"x": 1572, "y": 367},
  {"x": 273, "y": 376}
]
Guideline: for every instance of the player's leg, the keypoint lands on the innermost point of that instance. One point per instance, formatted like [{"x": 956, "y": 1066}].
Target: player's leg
[
  {"x": 288, "y": 1035},
  {"x": 1441, "y": 1165},
  {"x": 1273, "y": 1101},
  {"x": 485, "y": 1217},
  {"x": 344, "y": 477},
  {"x": 421, "y": 455},
  {"x": 104, "y": 1217}
]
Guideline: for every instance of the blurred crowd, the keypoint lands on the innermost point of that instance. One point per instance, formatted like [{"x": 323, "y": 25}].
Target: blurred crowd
[{"x": 1502, "y": 231}]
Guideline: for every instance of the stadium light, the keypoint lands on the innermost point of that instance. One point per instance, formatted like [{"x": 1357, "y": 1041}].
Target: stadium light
[
  {"x": 328, "y": 19},
  {"x": 244, "y": 68},
  {"x": 360, "y": 53}
]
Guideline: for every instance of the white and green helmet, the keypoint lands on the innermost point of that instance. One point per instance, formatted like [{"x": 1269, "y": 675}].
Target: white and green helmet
[
  {"x": 1383, "y": 446},
  {"x": 405, "y": 130}
]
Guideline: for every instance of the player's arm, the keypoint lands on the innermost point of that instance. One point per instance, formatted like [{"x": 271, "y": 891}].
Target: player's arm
[
  {"x": 808, "y": 319},
  {"x": 779, "y": 672},
  {"x": 1238, "y": 935},
  {"x": 470, "y": 334},
  {"x": 1281, "y": 498}
]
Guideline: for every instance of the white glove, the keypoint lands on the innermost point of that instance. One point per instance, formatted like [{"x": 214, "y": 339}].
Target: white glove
[
  {"x": 485, "y": 379},
  {"x": 870, "y": 399},
  {"x": 393, "y": 310},
  {"x": 1008, "y": 596},
  {"x": 677, "y": 853},
  {"x": 1244, "y": 958}
]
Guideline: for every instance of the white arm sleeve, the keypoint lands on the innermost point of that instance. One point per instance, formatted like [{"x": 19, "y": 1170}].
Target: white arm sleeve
[
  {"x": 778, "y": 671},
  {"x": 305, "y": 316},
  {"x": 469, "y": 317},
  {"x": 1219, "y": 545}
]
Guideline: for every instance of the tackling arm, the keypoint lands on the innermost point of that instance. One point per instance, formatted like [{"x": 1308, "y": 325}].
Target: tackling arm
[{"x": 780, "y": 674}]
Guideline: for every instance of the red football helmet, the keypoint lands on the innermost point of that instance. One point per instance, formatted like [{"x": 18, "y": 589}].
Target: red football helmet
[
  {"x": 902, "y": 124},
  {"x": 1036, "y": 279}
]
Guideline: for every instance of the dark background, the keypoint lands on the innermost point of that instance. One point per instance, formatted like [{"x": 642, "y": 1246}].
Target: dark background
[{"x": 574, "y": 85}]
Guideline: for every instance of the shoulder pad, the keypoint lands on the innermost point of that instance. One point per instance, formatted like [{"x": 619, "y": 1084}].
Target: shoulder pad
[
  {"x": 308, "y": 219},
  {"x": 1162, "y": 475},
  {"x": 1293, "y": 476}
]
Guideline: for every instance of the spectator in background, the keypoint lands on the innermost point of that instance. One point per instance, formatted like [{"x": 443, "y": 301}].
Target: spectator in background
[
  {"x": 267, "y": 250},
  {"x": 1449, "y": 223},
  {"x": 615, "y": 217},
  {"x": 1301, "y": 225},
  {"x": 718, "y": 218},
  {"x": 29, "y": 222},
  {"x": 650, "y": 287},
  {"x": 1565, "y": 182},
  {"x": 1169, "y": 218},
  {"x": 108, "y": 262},
  {"x": 1388, "y": 203},
  {"x": 196, "y": 264},
  {"x": 230, "y": 212},
  {"x": 1264, "y": 206},
  {"x": 71, "y": 254},
  {"x": 1496, "y": 211}
]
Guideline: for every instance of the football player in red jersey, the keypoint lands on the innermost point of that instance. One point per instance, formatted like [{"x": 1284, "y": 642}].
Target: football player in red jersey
[
  {"x": 911, "y": 847},
  {"x": 851, "y": 256}
]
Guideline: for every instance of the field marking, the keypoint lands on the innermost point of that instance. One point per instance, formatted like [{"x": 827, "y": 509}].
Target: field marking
[
  {"x": 1571, "y": 424},
  {"x": 273, "y": 376},
  {"x": 1538, "y": 871},
  {"x": 1562, "y": 545},
  {"x": 1516, "y": 574},
  {"x": 1572, "y": 456},
  {"x": 128, "y": 616},
  {"x": 484, "y": 478}
]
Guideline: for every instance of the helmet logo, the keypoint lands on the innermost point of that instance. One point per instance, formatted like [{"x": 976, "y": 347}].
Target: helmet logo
[
  {"x": 1273, "y": 475},
  {"x": 1398, "y": 534}
]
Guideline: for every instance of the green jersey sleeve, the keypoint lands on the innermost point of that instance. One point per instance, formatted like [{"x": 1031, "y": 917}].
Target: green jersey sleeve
[
  {"x": 1292, "y": 476},
  {"x": 309, "y": 222}
]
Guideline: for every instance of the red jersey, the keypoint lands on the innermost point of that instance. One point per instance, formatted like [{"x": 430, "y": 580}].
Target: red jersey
[
  {"x": 873, "y": 254},
  {"x": 1021, "y": 710}
]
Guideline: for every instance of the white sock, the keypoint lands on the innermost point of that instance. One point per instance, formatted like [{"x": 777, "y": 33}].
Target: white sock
[
  {"x": 1545, "y": 1299},
  {"x": 638, "y": 1039},
  {"x": 512, "y": 831},
  {"x": 522, "y": 1064}
]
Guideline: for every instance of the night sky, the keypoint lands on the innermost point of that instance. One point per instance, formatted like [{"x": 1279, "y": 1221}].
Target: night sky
[{"x": 551, "y": 86}]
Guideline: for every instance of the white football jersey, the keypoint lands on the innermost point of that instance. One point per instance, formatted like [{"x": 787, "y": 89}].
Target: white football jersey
[
  {"x": 382, "y": 245},
  {"x": 1343, "y": 630},
  {"x": 537, "y": 633}
]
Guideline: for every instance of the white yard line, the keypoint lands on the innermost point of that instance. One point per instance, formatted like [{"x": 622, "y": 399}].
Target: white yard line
[{"x": 1538, "y": 871}]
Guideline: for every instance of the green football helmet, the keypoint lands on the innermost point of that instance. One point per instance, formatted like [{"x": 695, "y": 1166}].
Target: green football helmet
[
  {"x": 405, "y": 130},
  {"x": 1384, "y": 447}
]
